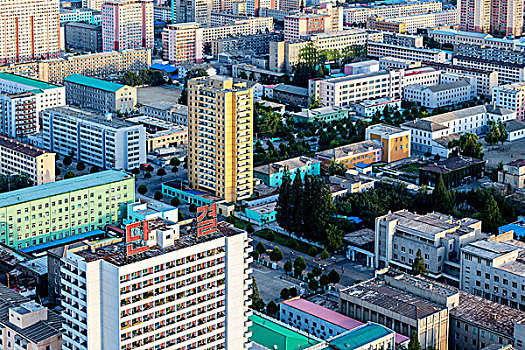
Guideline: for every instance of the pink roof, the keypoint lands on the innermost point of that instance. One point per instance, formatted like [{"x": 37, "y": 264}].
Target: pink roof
[
  {"x": 323, "y": 313},
  {"x": 331, "y": 316}
]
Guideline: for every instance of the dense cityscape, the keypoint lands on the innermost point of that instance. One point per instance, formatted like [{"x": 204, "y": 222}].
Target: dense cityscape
[{"x": 262, "y": 174}]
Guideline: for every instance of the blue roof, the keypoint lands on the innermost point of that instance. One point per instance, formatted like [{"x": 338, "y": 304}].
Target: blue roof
[
  {"x": 517, "y": 227},
  {"x": 65, "y": 240},
  {"x": 94, "y": 82},
  {"x": 165, "y": 67},
  {"x": 360, "y": 336},
  {"x": 362, "y": 165},
  {"x": 60, "y": 187}
]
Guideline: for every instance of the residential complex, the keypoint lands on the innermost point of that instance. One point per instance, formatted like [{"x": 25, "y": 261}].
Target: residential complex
[
  {"x": 428, "y": 132},
  {"x": 99, "y": 95},
  {"x": 395, "y": 142},
  {"x": 127, "y": 24},
  {"x": 83, "y": 36},
  {"x": 378, "y": 49},
  {"x": 491, "y": 15},
  {"x": 80, "y": 15},
  {"x": 187, "y": 11},
  {"x": 272, "y": 174},
  {"x": 446, "y": 94},
  {"x": 457, "y": 37},
  {"x": 401, "y": 234},
  {"x": 177, "y": 288},
  {"x": 258, "y": 43},
  {"x": 96, "y": 139},
  {"x": 366, "y": 152},
  {"x": 411, "y": 24},
  {"x": 30, "y": 30},
  {"x": 100, "y": 65},
  {"x": 511, "y": 96},
  {"x": 220, "y": 139},
  {"x": 360, "y": 14},
  {"x": 508, "y": 73},
  {"x": 297, "y": 26},
  {"x": 19, "y": 158},
  {"x": 44, "y": 213},
  {"x": 183, "y": 43}
]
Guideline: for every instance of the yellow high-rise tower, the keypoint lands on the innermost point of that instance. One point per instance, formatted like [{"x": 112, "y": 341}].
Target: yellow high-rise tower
[{"x": 220, "y": 137}]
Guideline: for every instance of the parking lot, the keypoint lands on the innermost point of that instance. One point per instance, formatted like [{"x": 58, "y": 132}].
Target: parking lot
[
  {"x": 158, "y": 93},
  {"x": 270, "y": 283}
]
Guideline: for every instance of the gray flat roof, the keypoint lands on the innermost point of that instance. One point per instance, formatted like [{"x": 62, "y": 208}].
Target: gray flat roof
[{"x": 60, "y": 187}]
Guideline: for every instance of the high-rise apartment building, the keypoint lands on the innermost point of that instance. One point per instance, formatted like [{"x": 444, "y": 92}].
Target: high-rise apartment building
[
  {"x": 162, "y": 287},
  {"x": 220, "y": 137},
  {"x": 253, "y": 6},
  {"x": 297, "y": 26},
  {"x": 40, "y": 214},
  {"x": 182, "y": 43},
  {"x": 483, "y": 16},
  {"x": 127, "y": 24},
  {"x": 30, "y": 30},
  {"x": 94, "y": 138},
  {"x": 193, "y": 11}
]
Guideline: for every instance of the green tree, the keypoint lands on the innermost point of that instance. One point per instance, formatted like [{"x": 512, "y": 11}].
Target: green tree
[
  {"x": 333, "y": 276},
  {"x": 158, "y": 195},
  {"x": 491, "y": 218},
  {"x": 175, "y": 201},
  {"x": 255, "y": 255},
  {"x": 250, "y": 229},
  {"x": 336, "y": 168},
  {"x": 324, "y": 280},
  {"x": 293, "y": 292},
  {"x": 94, "y": 169},
  {"x": 67, "y": 161},
  {"x": 175, "y": 161},
  {"x": 272, "y": 308},
  {"x": 313, "y": 285},
  {"x": 313, "y": 251},
  {"x": 414, "y": 344},
  {"x": 285, "y": 294},
  {"x": 418, "y": 266},
  {"x": 149, "y": 168},
  {"x": 468, "y": 145},
  {"x": 334, "y": 238},
  {"x": 284, "y": 205},
  {"x": 193, "y": 208},
  {"x": 441, "y": 200},
  {"x": 288, "y": 267},
  {"x": 147, "y": 175},
  {"x": 135, "y": 171},
  {"x": 70, "y": 174},
  {"x": 292, "y": 243},
  {"x": 142, "y": 189},
  {"x": 299, "y": 265},
  {"x": 257, "y": 302},
  {"x": 276, "y": 254},
  {"x": 316, "y": 271},
  {"x": 260, "y": 248},
  {"x": 161, "y": 172},
  {"x": 325, "y": 255},
  {"x": 174, "y": 169}
]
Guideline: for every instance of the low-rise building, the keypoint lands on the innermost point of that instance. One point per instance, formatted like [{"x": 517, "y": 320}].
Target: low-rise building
[
  {"x": 446, "y": 94},
  {"x": 291, "y": 95},
  {"x": 94, "y": 138},
  {"x": 99, "y": 95},
  {"x": 403, "y": 39},
  {"x": 508, "y": 72},
  {"x": 454, "y": 171},
  {"x": 27, "y": 325},
  {"x": 20, "y": 158},
  {"x": 168, "y": 111},
  {"x": 367, "y": 152},
  {"x": 397, "y": 63},
  {"x": 513, "y": 174},
  {"x": 361, "y": 67},
  {"x": 369, "y": 108},
  {"x": 76, "y": 15},
  {"x": 401, "y": 234},
  {"x": 395, "y": 142},
  {"x": 261, "y": 214},
  {"x": 321, "y": 115},
  {"x": 83, "y": 36},
  {"x": 427, "y": 131},
  {"x": 516, "y": 129},
  {"x": 272, "y": 174},
  {"x": 411, "y": 24},
  {"x": 353, "y": 183},
  {"x": 161, "y": 134},
  {"x": 378, "y": 49},
  {"x": 368, "y": 336}
]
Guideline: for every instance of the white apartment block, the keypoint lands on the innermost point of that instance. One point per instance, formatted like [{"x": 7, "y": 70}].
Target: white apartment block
[
  {"x": 459, "y": 37},
  {"x": 397, "y": 63},
  {"x": 401, "y": 234},
  {"x": 20, "y": 158},
  {"x": 377, "y": 49},
  {"x": 494, "y": 269},
  {"x": 445, "y": 94},
  {"x": 511, "y": 96},
  {"x": 508, "y": 73},
  {"x": 240, "y": 27},
  {"x": 178, "y": 291},
  {"x": 30, "y": 30},
  {"x": 182, "y": 43},
  {"x": 94, "y": 138},
  {"x": 426, "y": 133},
  {"x": 360, "y": 14},
  {"x": 47, "y": 95},
  {"x": 127, "y": 24},
  {"x": 342, "y": 91},
  {"x": 299, "y": 25},
  {"x": 168, "y": 111},
  {"x": 425, "y": 20}
]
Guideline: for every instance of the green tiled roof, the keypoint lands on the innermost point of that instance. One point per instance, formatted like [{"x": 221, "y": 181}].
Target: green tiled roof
[
  {"x": 274, "y": 336},
  {"x": 360, "y": 336},
  {"x": 93, "y": 82},
  {"x": 60, "y": 187},
  {"x": 35, "y": 84}
]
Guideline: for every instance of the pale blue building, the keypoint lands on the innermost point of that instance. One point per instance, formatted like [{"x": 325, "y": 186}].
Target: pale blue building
[{"x": 272, "y": 174}]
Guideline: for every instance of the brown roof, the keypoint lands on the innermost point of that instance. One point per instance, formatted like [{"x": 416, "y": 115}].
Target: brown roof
[{"x": 21, "y": 147}]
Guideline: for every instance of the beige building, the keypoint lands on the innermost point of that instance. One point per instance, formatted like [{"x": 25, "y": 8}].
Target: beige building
[
  {"x": 161, "y": 134},
  {"x": 411, "y": 24},
  {"x": 220, "y": 137},
  {"x": 19, "y": 158},
  {"x": 99, "y": 65},
  {"x": 513, "y": 174},
  {"x": 99, "y": 95},
  {"x": 360, "y": 14}
]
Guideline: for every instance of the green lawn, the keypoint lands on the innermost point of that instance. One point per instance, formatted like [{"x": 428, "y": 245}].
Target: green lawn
[
  {"x": 411, "y": 168},
  {"x": 283, "y": 240}
]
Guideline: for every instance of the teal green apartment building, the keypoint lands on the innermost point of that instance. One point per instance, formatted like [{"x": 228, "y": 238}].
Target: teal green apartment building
[
  {"x": 272, "y": 174},
  {"x": 65, "y": 208}
]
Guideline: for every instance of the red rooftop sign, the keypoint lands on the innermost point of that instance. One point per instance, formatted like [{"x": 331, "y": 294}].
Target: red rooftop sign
[
  {"x": 136, "y": 232},
  {"x": 207, "y": 220}
]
